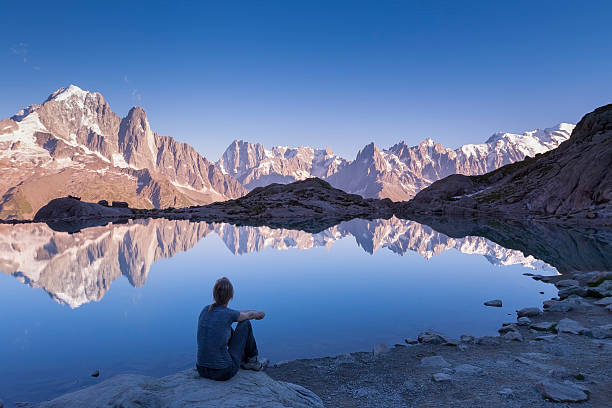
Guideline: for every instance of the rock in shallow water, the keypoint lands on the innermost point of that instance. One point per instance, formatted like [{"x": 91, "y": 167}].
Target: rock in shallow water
[
  {"x": 543, "y": 326},
  {"x": 186, "y": 390},
  {"x": 493, "y": 303},
  {"x": 561, "y": 392},
  {"x": 431, "y": 337}
]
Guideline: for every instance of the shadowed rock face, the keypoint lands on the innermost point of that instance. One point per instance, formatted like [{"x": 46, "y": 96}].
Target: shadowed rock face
[
  {"x": 574, "y": 180},
  {"x": 79, "y": 268},
  {"x": 74, "y": 144}
]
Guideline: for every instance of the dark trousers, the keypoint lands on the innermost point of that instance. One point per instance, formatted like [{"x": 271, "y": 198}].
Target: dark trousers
[{"x": 241, "y": 347}]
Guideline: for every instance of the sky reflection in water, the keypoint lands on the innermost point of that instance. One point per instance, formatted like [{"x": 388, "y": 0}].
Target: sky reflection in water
[{"x": 327, "y": 300}]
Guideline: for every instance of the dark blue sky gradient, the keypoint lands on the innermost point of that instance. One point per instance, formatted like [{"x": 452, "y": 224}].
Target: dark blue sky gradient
[{"x": 317, "y": 73}]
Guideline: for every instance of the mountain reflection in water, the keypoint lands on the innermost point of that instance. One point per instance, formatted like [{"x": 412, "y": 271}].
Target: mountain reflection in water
[{"x": 79, "y": 268}]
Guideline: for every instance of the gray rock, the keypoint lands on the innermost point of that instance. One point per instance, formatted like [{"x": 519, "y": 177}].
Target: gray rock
[
  {"x": 600, "y": 332},
  {"x": 598, "y": 277},
  {"x": 468, "y": 369},
  {"x": 529, "y": 312},
  {"x": 187, "y": 389},
  {"x": 543, "y": 326},
  {"x": 604, "y": 302},
  {"x": 431, "y": 337},
  {"x": 561, "y": 392},
  {"x": 572, "y": 290},
  {"x": 494, "y": 303},
  {"x": 410, "y": 341},
  {"x": 603, "y": 290},
  {"x": 523, "y": 321},
  {"x": 441, "y": 377},
  {"x": 466, "y": 338},
  {"x": 506, "y": 392},
  {"x": 569, "y": 326},
  {"x": 434, "y": 362},
  {"x": 557, "y": 306},
  {"x": 513, "y": 336},
  {"x": 567, "y": 282}
]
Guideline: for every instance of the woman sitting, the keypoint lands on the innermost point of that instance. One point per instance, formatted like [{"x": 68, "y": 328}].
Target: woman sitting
[{"x": 221, "y": 350}]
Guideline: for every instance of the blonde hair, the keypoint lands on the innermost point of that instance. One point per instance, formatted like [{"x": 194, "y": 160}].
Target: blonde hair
[{"x": 223, "y": 292}]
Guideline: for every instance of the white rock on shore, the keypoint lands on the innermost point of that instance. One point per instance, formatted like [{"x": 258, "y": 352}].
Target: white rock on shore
[{"x": 186, "y": 390}]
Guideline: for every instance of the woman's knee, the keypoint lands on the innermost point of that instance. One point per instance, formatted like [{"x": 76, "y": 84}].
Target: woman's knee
[{"x": 244, "y": 323}]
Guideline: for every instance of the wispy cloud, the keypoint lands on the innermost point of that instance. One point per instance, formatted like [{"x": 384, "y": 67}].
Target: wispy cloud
[
  {"x": 136, "y": 96},
  {"x": 22, "y": 50},
  {"x": 125, "y": 79}
]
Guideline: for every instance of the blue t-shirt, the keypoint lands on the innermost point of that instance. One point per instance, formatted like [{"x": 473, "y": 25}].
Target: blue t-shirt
[{"x": 214, "y": 331}]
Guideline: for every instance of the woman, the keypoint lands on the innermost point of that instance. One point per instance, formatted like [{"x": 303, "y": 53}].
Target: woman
[{"x": 221, "y": 350}]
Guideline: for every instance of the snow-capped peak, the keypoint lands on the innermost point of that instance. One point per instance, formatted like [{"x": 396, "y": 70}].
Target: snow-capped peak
[{"x": 63, "y": 94}]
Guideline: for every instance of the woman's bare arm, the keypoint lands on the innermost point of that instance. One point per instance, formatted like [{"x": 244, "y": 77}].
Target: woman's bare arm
[{"x": 251, "y": 314}]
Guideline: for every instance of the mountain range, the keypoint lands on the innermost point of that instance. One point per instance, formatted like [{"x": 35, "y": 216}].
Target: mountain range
[
  {"x": 79, "y": 268},
  {"x": 73, "y": 144}
]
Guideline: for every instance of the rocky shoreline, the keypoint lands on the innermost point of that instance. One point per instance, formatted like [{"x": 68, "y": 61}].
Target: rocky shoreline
[
  {"x": 555, "y": 355},
  {"x": 550, "y": 356}
]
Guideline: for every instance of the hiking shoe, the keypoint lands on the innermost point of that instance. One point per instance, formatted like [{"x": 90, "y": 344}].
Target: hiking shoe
[{"x": 255, "y": 364}]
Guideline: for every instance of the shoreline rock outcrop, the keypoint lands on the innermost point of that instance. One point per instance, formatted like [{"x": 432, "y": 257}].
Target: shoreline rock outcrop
[{"x": 187, "y": 389}]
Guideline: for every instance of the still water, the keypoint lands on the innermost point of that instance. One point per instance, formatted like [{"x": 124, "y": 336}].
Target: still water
[{"x": 126, "y": 297}]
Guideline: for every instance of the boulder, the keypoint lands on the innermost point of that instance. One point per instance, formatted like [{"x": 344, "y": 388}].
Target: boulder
[
  {"x": 493, "y": 303},
  {"x": 434, "y": 362},
  {"x": 529, "y": 312},
  {"x": 187, "y": 389},
  {"x": 561, "y": 392},
  {"x": 597, "y": 278},
  {"x": 431, "y": 337},
  {"x": 508, "y": 328},
  {"x": 569, "y": 326},
  {"x": 120, "y": 204},
  {"x": 572, "y": 290},
  {"x": 466, "y": 338}
]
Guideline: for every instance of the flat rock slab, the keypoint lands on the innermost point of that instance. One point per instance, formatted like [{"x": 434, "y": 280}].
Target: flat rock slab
[
  {"x": 561, "y": 392},
  {"x": 493, "y": 303},
  {"x": 431, "y": 337},
  {"x": 570, "y": 326},
  {"x": 187, "y": 389}
]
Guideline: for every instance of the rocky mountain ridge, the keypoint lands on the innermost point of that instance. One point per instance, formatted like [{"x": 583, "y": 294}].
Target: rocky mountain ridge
[
  {"x": 573, "y": 181},
  {"x": 74, "y": 144},
  {"x": 398, "y": 172}
]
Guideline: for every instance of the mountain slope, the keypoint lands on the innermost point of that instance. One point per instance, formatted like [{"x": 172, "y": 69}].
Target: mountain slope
[
  {"x": 74, "y": 144},
  {"x": 573, "y": 180}
]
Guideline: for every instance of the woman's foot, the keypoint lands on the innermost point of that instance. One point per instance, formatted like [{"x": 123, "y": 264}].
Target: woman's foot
[{"x": 255, "y": 364}]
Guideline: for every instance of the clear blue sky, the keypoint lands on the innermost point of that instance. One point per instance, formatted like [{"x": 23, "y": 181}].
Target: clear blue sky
[{"x": 319, "y": 73}]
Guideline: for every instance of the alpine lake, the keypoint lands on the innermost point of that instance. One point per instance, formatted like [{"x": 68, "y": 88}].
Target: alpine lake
[{"x": 126, "y": 297}]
